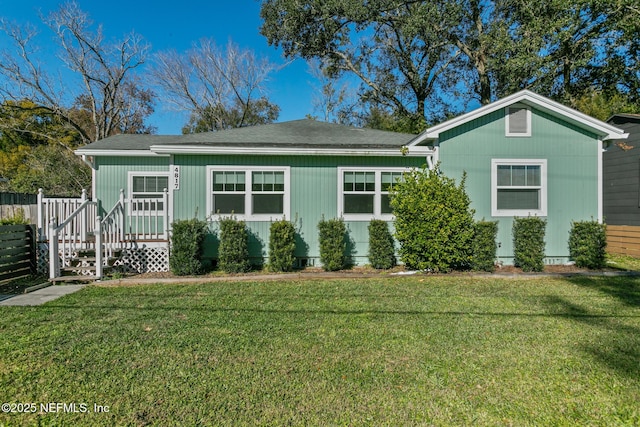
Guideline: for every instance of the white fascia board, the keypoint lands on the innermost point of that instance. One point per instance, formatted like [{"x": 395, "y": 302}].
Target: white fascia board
[
  {"x": 604, "y": 130},
  {"x": 185, "y": 149},
  {"x": 122, "y": 153}
]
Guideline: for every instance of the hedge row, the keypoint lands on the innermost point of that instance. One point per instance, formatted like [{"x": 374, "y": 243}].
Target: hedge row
[
  {"x": 587, "y": 243},
  {"x": 187, "y": 246}
]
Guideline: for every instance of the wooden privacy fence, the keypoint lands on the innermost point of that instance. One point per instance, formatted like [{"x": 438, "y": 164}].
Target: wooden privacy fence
[
  {"x": 18, "y": 199},
  {"x": 14, "y": 204},
  {"x": 623, "y": 240},
  {"x": 17, "y": 251}
]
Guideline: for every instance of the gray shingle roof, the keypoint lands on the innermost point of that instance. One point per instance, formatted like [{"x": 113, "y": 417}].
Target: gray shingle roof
[
  {"x": 298, "y": 133},
  {"x": 131, "y": 142}
]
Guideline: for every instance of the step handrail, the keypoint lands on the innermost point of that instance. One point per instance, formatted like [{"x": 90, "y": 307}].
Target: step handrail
[
  {"x": 75, "y": 213},
  {"x": 70, "y": 241},
  {"x": 109, "y": 234}
]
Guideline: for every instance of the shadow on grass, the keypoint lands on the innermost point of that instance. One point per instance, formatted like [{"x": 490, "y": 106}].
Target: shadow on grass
[
  {"x": 619, "y": 347},
  {"x": 556, "y": 312},
  {"x": 611, "y": 337},
  {"x": 624, "y": 289}
]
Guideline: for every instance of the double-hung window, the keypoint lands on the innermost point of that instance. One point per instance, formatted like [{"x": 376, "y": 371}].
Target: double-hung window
[
  {"x": 519, "y": 187},
  {"x": 267, "y": 189},
  {"x": 229, "y": 192},
  {"x": 147, "y": 190},
  {"x": 359, "y": 191},
  {"x": 364, "y": 193},
  {"x": 252, "y": 193}
]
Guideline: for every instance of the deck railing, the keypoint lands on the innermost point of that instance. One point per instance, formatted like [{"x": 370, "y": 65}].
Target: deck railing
[
  {"x": 62, "y": 208},
  {"x": 69, "y": 237},
  {"x": 148, "y": 217},
  {"x": 129, "y": 220}
]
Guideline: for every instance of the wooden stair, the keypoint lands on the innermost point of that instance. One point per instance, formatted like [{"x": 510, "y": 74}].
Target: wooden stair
[{"x": 85, "y": 263}]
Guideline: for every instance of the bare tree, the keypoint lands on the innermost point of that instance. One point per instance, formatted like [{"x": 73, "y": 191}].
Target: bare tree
[
  {"x": 332, "y": 97},
  {"x": 103, "y": 98},
  {"x": 221, "y": 88}
]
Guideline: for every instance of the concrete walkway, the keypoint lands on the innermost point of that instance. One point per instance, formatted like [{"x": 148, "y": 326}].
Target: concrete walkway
[{"x": 40, "y": 296}]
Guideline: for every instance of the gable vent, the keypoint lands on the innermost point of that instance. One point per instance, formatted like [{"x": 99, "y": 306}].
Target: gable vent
[{"x": 518, "y": 121}]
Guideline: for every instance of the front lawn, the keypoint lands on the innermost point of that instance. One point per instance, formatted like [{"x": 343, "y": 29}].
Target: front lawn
[{"x": 418, "y": 350}]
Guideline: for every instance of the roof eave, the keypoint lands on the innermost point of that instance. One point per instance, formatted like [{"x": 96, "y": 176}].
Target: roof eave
[
  {"x": 603, "y": 130},
  {"x": 393, "y": 152},
  {"x": 126, "y": 153}
]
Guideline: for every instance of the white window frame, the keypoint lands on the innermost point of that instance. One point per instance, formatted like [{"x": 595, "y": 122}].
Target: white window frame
[
  {"x": 248, "y": 193},
  {"x": 134, "y": 174},
  {"x": 507, "y": 117},
  {"x": 542, "y": 211},
  {"x": 377, "y": 194}
]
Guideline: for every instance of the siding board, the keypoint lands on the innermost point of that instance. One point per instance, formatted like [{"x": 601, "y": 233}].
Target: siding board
[
  {"x": 621, "y": 181},
  {"x": 572, "y": 165},
  {"x": 314, "y": 182},
  {"x": 112, "y": 175}
]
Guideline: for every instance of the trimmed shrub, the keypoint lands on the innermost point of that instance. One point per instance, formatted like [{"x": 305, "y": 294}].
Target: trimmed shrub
[
  {"x": 587, "y": 244},
  {"x": 187, "y": 238},
  {"x": 528, "y": 243},
  {"x": 282, "y": 246},
  {"x": 18, "y": 218},
  {"x": 333, "y": 245},
  {"x": 434, "y": 223},
  {"x": 484, "y": 246},
  {"x": 381, "y": 245},
  {"x": 233, "y": 252}
]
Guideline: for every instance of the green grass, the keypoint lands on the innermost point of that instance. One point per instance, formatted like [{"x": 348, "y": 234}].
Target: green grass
[
  {"x": 392, "y": 351},
  {"x": 623, "y": 262}
]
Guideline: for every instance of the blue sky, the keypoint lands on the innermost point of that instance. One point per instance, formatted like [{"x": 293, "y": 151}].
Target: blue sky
[{"x": 177, "y": 25}]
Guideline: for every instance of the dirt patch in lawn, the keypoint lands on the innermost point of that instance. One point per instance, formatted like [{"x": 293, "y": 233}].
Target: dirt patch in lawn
[{"x": 355, "y": 272}]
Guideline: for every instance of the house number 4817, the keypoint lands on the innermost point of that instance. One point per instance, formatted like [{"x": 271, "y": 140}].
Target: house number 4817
[{"x": 176, "y": 177}]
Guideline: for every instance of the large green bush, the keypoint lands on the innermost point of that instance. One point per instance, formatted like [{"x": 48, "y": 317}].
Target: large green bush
[
  {"x": 187, "y": 238},
  {"x": 434, "y": 223},
  {"x": 233, "y": 252},
  {"x": 528, "y": 243},
  {"x": 282, "y": 246},
  {"x": 587, "y": 244},
  {"x": 484, "y": 246},
  {"x": 333, "y": 244},
  {"x": 381, "y": 245}
]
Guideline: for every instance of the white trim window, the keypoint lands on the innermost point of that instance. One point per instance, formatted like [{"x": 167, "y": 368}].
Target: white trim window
[
  {"x": 363, "y": 194},
  {"x": 517, "y": 120},
  {"x": 249, "y": 193},
  {"x": 518, "y": 187},
  {"x": 146, "y": 190}
]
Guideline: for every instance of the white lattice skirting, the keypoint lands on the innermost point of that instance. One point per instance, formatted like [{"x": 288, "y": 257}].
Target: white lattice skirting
[
  {"x": 133, "y": 260},
  {"x": 143, "y": 260},
  {"x": 42, "y": 262}
]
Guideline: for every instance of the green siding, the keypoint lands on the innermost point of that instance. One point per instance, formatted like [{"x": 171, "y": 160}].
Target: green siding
[
  {"x": 572, "y": 172},
  {"x": 314, "y": 186},
  {"x": 112, "y": 175}
]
